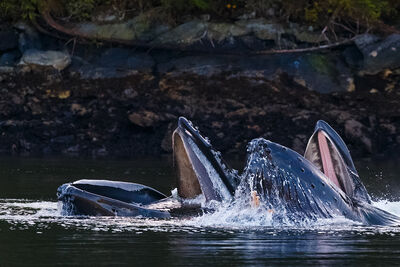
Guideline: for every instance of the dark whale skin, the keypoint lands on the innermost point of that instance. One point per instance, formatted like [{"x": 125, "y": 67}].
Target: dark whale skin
[
  {"x": 283, "y": 178},
  {"x": 108, "y": 198}
]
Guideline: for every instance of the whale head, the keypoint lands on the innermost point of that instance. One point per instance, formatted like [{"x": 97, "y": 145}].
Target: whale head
[
  {"x": 200, "y": 168},
  {"x": 284, "y": 180},
  {"x": 328, "y": 152}
]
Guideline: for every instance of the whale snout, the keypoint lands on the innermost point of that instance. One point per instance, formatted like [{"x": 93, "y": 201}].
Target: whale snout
[
  {"x": 258, "y": 145},
  {"x": 200, "y": 168}
]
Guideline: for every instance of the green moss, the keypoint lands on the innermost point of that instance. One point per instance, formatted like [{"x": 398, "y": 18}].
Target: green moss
[
  {"x": 321, "y": 64},
  {"x": 18, "y": 9},
  {"x": 82, "y": 9},
  {"x": 317, "y": 12},
  {"x": 322, "y": 12},
  {"x": 364, "y": 10},
  {"x": 185, "y": 5}
]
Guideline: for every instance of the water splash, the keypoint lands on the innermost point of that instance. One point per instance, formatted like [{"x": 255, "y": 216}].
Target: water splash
[
  {"x": 219, "y": 187},
  {"x": 23, "y": 214},
  {"x": 392, "y": 207}
]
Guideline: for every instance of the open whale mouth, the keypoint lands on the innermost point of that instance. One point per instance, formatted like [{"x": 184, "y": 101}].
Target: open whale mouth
[
  {"x": 328, "y": 152},
  {"x": 200, "y": 168}
]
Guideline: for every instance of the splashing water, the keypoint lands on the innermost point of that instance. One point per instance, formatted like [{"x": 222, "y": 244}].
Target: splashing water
[
  {"x": 227, "y": 216},
  {"x": 22, "y": 214},
  {"x": 218, "y": 185},
  {"x": 392, "y": 207}
]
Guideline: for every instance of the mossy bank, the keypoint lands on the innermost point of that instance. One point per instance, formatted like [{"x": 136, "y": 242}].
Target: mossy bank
[{"x": 233, "y": 78}]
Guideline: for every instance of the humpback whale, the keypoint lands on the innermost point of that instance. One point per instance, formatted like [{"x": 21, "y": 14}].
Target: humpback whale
[{"x": 323, "y": 183}]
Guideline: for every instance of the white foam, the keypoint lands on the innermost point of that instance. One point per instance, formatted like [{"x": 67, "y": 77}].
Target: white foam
[
  {"x": 392, "y": 207},
  {"x": 22, "y": 214},
  {"x": 199, "y": 200},
  {"x": 234, "y": 216}
]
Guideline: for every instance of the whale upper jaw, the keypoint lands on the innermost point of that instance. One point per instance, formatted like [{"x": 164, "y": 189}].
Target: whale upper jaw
[
  {"x": 328, "y": 152},
  {"x": 200, "y": 168}
]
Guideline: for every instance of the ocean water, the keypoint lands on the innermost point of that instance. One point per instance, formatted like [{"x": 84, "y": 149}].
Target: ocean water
[{"x": 32, "y": 231}]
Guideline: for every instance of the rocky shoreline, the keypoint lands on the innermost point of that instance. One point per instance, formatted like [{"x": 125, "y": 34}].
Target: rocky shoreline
[{"x": 124, "y": 102}]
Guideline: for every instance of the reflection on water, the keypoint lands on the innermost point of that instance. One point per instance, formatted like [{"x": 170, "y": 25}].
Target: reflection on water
[
  {"x": 39, "y": 178},
  {"x": 32, "y": 231}
]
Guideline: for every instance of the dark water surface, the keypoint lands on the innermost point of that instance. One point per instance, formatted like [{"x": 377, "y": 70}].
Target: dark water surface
[{"x": 33, "y": 233}]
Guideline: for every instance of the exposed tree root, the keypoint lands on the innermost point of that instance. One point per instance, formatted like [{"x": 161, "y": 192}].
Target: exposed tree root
[{"x": 73, "y": 31}]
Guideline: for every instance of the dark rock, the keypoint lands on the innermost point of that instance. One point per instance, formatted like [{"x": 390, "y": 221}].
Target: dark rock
[
  {"x": 200, "y": 65},
  {"x": 318, "y": 72},
  {"x": 93, "y": 72},
  {"x": 353, "y": 128},
  {"x": 65, "y": 139},
  {"x": 379, "y": 55},
  {"x": 132, "y": 29},
  {"x": 100, "y": 152},
  {"x": 113, "y": 63},
  {"x": 25, "y": 145},
  {"x": 263, "y": 29},
  {"x": 130, "y": 93},
  {"x": 221, "y": 31},
  {"x": 47, "y": 150},
  {"x": 78, "y": 109},
  {"x": 76, "y": 63},
  {"x": 356, "y": 131},
  {"x": 389, "y": 127},
  {"x": 363, "y": 41},
  {"x": 184, "y": 34},
  {"x": 121, "y": 58},
  {"x": 6, "y": 69},
  {"x": 166, "y": 143},
  {"x": 298, "y": 145},
  {"x": 340, "y": 115},
  {"x": 8, "y": 40},
  {"x": 152, "y": 32},
  {"x": 35, "y": 108},
  {"x": 144, "y": 118},
  {"x": 217, "y": 125},
  {"x": 56, "y": 59},
  {"x": 9, "y": 59},
  {"x": 304, "y": 35},
  {"x": 253, "y": 43},
  {"x": 353, "y": 57},
  {"x": 72, "y": 150},
  {"x": 344, "y": 76},
  {"x": 243, "y": 112},
  {"x": 17, "y": 100},
  {"x": 28, "y": 38}
]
